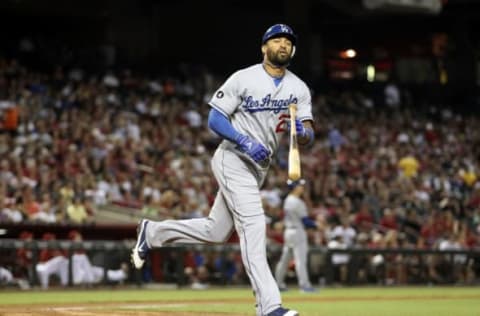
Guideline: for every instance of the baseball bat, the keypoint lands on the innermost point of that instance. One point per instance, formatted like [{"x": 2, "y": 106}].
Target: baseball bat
[{"x": 294, "y": 171}]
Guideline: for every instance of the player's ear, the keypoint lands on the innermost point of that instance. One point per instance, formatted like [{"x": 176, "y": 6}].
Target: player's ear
[
  {"x": 293, "y": 51},
  {"x": 264, "y": 49}
]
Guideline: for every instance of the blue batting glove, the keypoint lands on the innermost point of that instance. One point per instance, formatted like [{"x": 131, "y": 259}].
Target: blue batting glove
[
  {"x": 301, "y": 131},
  {"x": 252, "y": 148}
]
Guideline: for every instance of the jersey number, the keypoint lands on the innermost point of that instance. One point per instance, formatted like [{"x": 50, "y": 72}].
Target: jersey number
[{"x": 282, "y": 125}]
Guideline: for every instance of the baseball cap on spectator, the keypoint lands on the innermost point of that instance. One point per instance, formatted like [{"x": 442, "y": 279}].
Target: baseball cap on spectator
[
  {"x": 74, "y": 234},
  {"x": 25, "y": 235},
  {"x": 48, "y": 236}
]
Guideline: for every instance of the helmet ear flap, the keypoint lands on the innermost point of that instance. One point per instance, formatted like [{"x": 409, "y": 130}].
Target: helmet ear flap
[{"x": 293, "y": 52}]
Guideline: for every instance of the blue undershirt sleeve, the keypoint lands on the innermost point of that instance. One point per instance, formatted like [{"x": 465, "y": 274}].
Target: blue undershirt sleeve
[
  {"x": 221, "y": 125},
  {"x": 308, "y": 222}
]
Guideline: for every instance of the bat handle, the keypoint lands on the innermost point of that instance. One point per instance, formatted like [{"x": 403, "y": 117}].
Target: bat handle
[{"x": 292, "y": 108}]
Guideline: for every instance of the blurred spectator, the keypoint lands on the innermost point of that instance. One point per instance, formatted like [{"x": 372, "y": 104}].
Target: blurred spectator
[
  {"x": 468, "y": 176},
  {"x": 149, "y": 209},
  {"x": 457, "y": 263},
  {"x": 231, "y": 267},
  {"x": 51, "y": 262},
  {"x": 335, "y": 138},
  {"x": 429, "y": 231},
  {"x": 388, "y": 220},
  {"x": 7, "y": 278},
  {"x": 361, "y": 262},
  {"x": 409, "y": 166},
  {"x": 339, "y": 260},
  {"x": 47, "y": 212},
  {"x": 411, "y": 225},
  {"x": 364, "y": 220},
  {"x": 123, "y": 138},
  {"x": 346, "y": 231},
  {"x": 31, "y": 206},
  {"x": 9, "y": 115},
  {"x": 24, "y": 258},
  {"x": 67, "y": 194},
  {"x": 10, "y": 214},
  {"x": 395, "y": 272},
  {"x": 168, "y": 204},
  {"x": 77, "y": 212},
  {"x": 392, "y": 95}
]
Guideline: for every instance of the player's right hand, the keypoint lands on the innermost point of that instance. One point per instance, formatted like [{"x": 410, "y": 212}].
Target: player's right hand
[{"x": 252, "y": 148}]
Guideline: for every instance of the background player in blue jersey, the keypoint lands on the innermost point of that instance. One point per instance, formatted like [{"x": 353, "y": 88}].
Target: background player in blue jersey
[{"x": 250, "y": 112}]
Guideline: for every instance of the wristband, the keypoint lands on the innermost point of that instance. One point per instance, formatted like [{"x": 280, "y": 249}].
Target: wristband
[{"x": 311, "y": 136}]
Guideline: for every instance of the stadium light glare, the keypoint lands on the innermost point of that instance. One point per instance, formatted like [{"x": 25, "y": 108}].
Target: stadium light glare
[
  {"x": 370, "y": 73},
  {"x": 348, "y": 53},
  {"x": 351, "y": 53}
]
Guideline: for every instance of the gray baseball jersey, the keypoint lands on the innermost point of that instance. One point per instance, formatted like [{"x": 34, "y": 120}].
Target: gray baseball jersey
[
  {"x": 295, "y": 240},
  {"x": 257, "y": 107},
  {"x": 295, "y": 209}
]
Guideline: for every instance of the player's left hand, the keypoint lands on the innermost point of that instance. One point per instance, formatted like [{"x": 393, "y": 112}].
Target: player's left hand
[
  {"x": 301, "y": 131},
  {"x": 252, "y": 148}
]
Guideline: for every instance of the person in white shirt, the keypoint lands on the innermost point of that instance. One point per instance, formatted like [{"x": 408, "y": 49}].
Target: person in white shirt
[{"x": 339, "y": 260}]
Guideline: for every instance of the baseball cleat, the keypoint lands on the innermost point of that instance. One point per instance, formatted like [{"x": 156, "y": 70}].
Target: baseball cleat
[
  {"x": 139, "y": 252},
  {"x": 308, "y": 290},
  {"x": 283, "y": 312}
]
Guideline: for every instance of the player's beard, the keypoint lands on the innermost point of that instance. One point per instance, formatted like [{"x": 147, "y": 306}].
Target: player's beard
[{"x": 278, "y": 59}]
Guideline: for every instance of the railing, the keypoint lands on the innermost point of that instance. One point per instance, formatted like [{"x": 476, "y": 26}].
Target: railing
[
  {"x": 400, "y": 266},
  {"x": 364, "y": 266},
  {"x": 106, "y": 247}
]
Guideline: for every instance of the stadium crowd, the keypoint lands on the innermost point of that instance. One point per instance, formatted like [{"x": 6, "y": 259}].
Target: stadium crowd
[{"x": 384, "y": 172}]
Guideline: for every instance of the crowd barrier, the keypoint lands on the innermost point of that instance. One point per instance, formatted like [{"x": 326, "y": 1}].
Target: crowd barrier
[{"x": 364, "y": 266}]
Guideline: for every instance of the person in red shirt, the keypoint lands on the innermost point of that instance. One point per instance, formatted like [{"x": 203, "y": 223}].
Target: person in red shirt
[
  {"x": 428, "y": 232},
  {"x": 364, "y": 219},
  {"x": 388, "y": 220}
]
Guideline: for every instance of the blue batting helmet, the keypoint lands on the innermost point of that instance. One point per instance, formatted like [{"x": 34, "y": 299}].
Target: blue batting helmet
[{"x": 278, "y": 30}]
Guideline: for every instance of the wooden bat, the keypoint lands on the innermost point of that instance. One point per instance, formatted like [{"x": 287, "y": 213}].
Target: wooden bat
[{"x": 294, "y": 171}]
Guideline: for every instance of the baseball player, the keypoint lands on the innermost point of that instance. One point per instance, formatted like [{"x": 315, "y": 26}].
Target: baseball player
[
  {"x": 84, "y": 272},
  {"x": 52, "y": 262},
  {"x": 81, "y": 266},
  {"x": 249, "y": 111},
  {"x": 295, "y": 237}
]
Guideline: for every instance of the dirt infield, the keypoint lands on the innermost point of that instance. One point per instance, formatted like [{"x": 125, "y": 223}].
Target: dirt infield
[
  {"x": 94, "y": 310},
  {"x": 150, "y": 308},
  {"x": 107, "y": 309}
]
